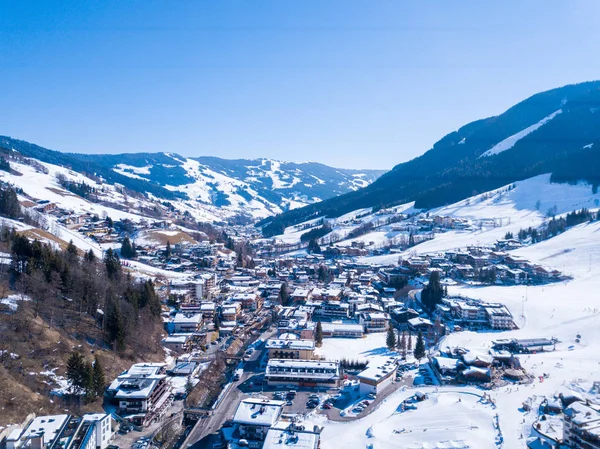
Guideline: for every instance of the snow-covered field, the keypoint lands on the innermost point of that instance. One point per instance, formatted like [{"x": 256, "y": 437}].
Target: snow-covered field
[{"x": 452, "y": 418}]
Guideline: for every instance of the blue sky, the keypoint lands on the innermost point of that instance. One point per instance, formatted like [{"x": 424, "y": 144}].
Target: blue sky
[{"x": 359, "y": 84}]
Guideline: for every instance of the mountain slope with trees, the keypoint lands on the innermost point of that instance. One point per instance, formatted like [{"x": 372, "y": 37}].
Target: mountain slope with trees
[{"x": 565, "y": 145}]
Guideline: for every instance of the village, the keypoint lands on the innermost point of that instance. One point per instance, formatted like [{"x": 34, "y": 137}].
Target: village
[{"x": 261, "y": 325}]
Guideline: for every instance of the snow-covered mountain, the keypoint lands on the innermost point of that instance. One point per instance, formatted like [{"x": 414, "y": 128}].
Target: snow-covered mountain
[
  {"x": 555, "y": 132},
  {"x": 208, "y": 188}
]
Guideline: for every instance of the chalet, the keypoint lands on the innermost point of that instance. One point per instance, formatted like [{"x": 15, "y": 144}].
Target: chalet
[
  {"x": 249, "y": 301},
  {"x": 177, "y": 342},
  {"x": 420, "y": 324},
  {"x": 499, "y": 317},
  {"x": 374, "y": 321},
  {"x": 332, "y": 294},
  {"x": 301, "y": 295},
  {"x": 141, "y": 393},
  {"x": 446, "y": 369},
  {"x": 208, "y": 309},
  {"x": 368, "y": 307},
  {"x": 514, "y": 261},
  {"x": 581, "y": 422},
  {"x": 464, "y": 271}
]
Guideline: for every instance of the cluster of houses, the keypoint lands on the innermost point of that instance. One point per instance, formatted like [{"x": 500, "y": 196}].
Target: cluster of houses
[
  {"x": 492, "y": 264},
  {"x": 568, "y": 419},
  {"x": 475, "y": 314}
]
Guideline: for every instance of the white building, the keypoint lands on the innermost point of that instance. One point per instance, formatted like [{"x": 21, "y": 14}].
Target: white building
[
  {"x": 304, "y": 373},
  {"x": 142, "y": 392},
  {"x": 347, "y": 330},
  {"x": 41, "y": 433},
  {"x": 374, "y": 321},
  {"x": 186, "y": 323},
  {"x": 378, "y": 376},
  {"x": 254, "y": 417},
  {"x": 93, "y": 431},
  {"x": 499, "y": 317},
  {"x": 103, "y": 425}
]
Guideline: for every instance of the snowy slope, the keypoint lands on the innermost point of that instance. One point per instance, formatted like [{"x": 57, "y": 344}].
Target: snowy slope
[
  {"x": 510, "y": 142},
  {"x": 511, "y": 209}
]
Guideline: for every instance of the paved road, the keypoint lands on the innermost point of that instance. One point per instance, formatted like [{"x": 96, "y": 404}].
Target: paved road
[{"x": 226, "y": 408}]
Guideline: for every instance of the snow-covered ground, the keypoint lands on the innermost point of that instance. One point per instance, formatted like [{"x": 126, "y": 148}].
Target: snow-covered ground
[
  {"x": 448, "y": 418},
  {"x": 562, "y": 310},
  {"x": 512, "y": 209}
]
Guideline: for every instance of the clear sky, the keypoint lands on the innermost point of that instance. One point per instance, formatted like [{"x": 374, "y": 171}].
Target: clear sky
[{"x": 358, "y": 84}]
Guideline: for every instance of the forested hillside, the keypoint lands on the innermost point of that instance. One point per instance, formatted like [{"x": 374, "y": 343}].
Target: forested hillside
[
  {"x": 556, "y": 132},
  {"x": 57, "y": 302}
]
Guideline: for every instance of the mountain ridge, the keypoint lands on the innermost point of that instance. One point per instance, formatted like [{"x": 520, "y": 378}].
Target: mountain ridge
[
  {"x": 251, "y": 188},
  {"x": 453, "y": 170}
]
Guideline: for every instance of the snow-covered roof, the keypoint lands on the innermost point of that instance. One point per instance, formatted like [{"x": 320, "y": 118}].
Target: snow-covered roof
[
  {"x": 277, "y": 343},
  {"x": 48, "y": 426},
  {"x": 348, "y": 327},
  {"x": 379, "y": 370},
  {"x": 138, "y": 388},
  {"x": 258, "y": 412},
  {"x": 145, "y": 369},
  {"x": 284, "y": 434},
  {"x": 187, "y": 318}
]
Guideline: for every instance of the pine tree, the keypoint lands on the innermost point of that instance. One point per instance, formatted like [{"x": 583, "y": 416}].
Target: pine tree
[
  {"x": 390, "y": 340},
  {"x": 168, "y": 250},
  {"x": 90, "y": 392},
  {"x": 113, "y": 264},
  {"x": 419, "y": 347},
  {"x": 90, "y": 256},
  {"x": 403, "y": 344},
  {"x": 217, "y": 322},
  {"x": 99, "y": 380},
  {"x": 126, "y": 248},
  {"x": 284, "y": 296},
  {"x": 319, "y": 334},
  {"x": 149, "y": 298},
  {"x": 115, "y": 326},
  {"x": 432, "y": 294},
  {"x": 71, "y": 248},
  {"x": 409, "y": 342},
  {"x": 76, "y": 372}
]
